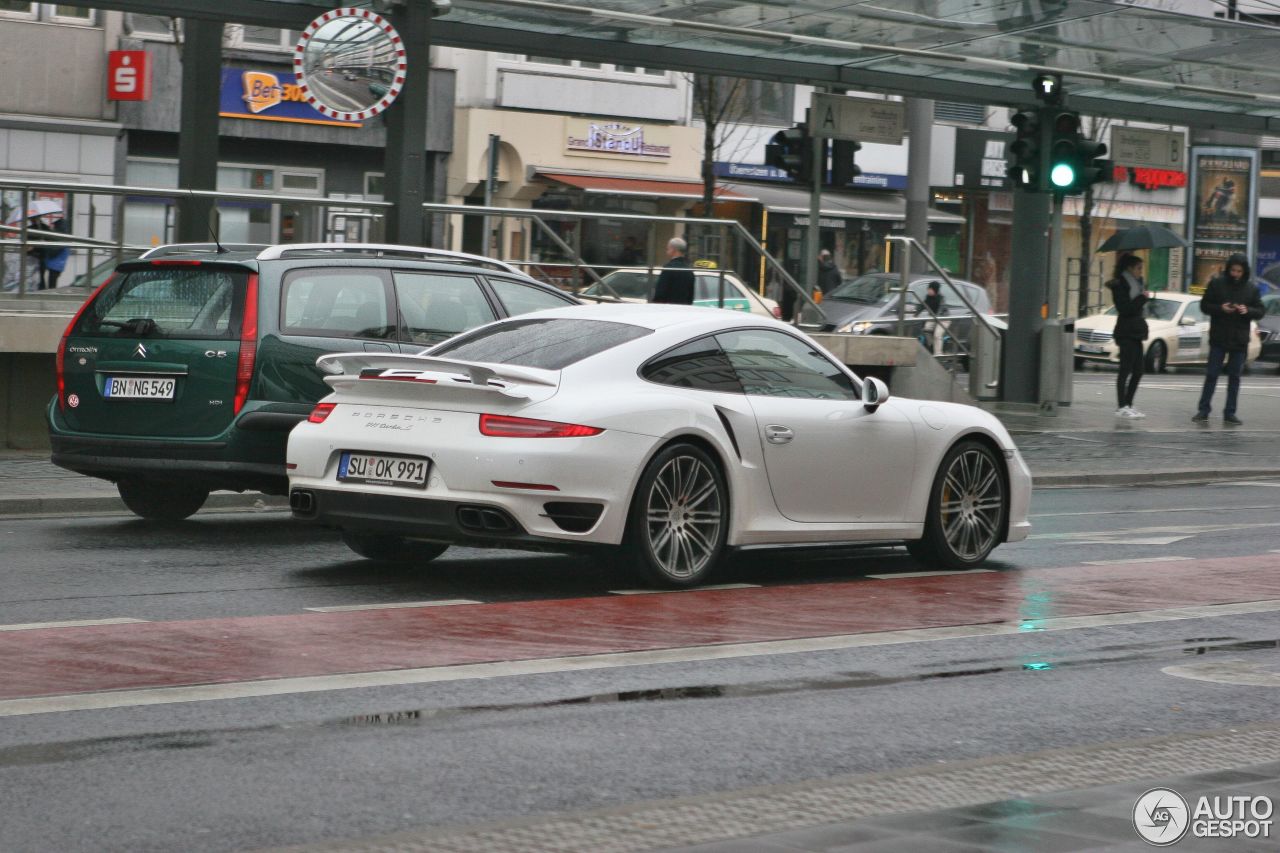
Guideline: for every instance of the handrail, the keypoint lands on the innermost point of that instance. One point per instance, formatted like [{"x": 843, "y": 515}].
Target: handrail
[{"x": 911, "y": 242}]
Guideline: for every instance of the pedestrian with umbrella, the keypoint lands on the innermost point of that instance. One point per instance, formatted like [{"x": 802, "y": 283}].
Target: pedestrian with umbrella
[{"x": 1130, "y": 295}]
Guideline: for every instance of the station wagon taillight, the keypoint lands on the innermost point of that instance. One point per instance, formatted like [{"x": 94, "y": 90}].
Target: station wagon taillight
[
  {"x": 248, "y": 343},
  {"x": 60, "y": 358},
  {"x": 506, "y": 426}
]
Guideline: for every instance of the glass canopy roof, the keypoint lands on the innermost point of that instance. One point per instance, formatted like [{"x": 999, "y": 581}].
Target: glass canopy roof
[
  {"x": 1117, "y": 58},
  {"x": 1122, "y": 58}
]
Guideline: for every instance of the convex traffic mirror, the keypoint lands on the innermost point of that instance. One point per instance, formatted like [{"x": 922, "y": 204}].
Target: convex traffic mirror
[{"x": 350, "y": 64}]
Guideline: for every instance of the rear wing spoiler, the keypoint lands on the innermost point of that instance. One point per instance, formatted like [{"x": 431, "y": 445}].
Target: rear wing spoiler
[{"x": 344, "y": 367}]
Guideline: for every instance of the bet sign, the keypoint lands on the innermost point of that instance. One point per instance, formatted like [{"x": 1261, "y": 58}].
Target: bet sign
[{"x": 128, "y": 75}]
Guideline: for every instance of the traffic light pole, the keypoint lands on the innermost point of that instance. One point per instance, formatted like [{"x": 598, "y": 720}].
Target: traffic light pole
[
  {"x": 815, "y": 209},
  {"x": 1050, "y": 392}
]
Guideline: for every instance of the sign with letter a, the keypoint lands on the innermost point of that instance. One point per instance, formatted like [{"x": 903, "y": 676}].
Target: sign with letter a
[{"x": 128, "y": 75}]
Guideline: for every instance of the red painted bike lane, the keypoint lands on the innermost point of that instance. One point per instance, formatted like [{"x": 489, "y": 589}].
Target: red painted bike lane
[{"x": 59, "y": 661}]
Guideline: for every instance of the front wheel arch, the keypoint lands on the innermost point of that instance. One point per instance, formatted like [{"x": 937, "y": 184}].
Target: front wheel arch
[{"x": 917, "y": 547}]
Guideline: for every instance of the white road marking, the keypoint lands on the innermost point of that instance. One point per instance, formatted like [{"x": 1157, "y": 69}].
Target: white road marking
[
  {"x": 1149, "y": 540},
  {"x": 1270, "y": 484},
  {"x": 690, "y": 589},
  {"x": 891, "y": 576},
  {"x": 342, "y": 608},
  {"x": 1232, "y": 671},
  {"x": 1167, "y": 530},
  {"x": 1133, "y": 560},
  {"x": 578, "y": 663},
  {"x": 1161, "y": 510},
  {"x": 77, "y": 623}
]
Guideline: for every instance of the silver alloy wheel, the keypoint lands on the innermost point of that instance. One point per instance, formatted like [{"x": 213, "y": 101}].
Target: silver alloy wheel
[
  {"x": 972, "y": 504},
  {"x": 683, "y": 516}
]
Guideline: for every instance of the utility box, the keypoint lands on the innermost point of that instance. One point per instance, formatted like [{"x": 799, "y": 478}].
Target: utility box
[
  {"x": 984, "y": 362},
  {"x": 1067, "y": 362}
]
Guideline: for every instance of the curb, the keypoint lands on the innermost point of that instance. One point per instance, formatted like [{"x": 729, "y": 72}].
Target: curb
[{"x": 108, "y": 504}]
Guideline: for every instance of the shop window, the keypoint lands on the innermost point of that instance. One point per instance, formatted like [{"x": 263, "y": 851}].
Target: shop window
[
  {"x": 594, "y": 66},
  {"x": 52, "y": 12},
  {"x": 11, "y": 9},
  {"x": 153, "y": 26},
  {"x": 374, "y": 185}
]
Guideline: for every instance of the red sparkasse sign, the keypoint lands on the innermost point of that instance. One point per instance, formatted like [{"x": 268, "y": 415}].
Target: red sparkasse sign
[{"x": 128, "y": 75}]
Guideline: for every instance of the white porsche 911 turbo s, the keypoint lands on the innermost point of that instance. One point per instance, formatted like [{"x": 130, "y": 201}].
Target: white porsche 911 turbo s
[{"x": 670, "y": 432}]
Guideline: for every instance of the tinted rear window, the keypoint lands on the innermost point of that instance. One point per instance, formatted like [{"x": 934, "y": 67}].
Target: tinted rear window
[
  {"x": 169, "y": 302},
  {"x": 551, "y": 344}
]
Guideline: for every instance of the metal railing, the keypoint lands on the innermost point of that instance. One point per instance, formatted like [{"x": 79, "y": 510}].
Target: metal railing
[
  {"x": 963, "y": 348},
  {"x": 721, "y": 240}
]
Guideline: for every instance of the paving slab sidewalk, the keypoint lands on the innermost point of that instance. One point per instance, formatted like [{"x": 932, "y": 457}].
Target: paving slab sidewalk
[{"x": 1083, "y": 444}]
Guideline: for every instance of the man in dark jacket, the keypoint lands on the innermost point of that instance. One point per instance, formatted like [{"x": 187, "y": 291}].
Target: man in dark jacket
[
  {"x": 675, "y": 282},
  {"x": 829, "y": 275},
  {"x": 1232, "y": 302}
]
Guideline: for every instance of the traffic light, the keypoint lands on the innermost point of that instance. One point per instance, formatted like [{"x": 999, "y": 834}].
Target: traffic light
[
  {"x": 1026, "y": 167},
  {"x": 1064, "y": 164},
  {"x": 844, "y": 166},
  {"x": 1075, "y": 161},
  {"x": 1093, "y": 168},
  {"x": 791, "y": 150}
]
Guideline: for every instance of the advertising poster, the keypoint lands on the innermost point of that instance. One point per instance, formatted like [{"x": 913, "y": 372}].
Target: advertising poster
[{"x": 1222, "y": 210}]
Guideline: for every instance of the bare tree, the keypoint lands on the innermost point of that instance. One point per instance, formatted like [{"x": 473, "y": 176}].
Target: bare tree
[{"x": 722, "y": 104}]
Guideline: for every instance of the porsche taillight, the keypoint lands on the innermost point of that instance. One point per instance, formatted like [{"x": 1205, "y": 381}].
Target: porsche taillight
[
  {"x": 506, "y": 426},
  {"x": 320, "y": 412}
]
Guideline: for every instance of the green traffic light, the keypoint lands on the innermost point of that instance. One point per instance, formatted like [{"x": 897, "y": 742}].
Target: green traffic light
[{"x": 1062, "y": 175}]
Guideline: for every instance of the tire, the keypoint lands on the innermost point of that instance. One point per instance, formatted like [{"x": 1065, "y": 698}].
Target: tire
[
  {"x": 961, "y": 531},
  {"x": 386, "y": 548},
  {"x": 1157, "y": 357},
  {"x": 679, "y": 518},
  {"x": 160, "y": 501}
]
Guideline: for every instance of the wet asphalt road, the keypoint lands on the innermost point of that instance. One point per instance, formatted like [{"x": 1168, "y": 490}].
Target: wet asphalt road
[{"x": 251, "y": 773}]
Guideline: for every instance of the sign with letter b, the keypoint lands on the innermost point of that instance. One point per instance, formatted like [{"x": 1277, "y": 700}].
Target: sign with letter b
[{"x": 128, "y": 75}]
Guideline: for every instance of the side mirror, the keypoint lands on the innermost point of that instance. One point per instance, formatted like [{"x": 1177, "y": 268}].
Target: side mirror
[
  {"x": 1188, "y": 321},
  {"x": 874, "y": 393}
]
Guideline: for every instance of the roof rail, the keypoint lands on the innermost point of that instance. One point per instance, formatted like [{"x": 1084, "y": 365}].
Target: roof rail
[
  {"x": 284, "y": 250},
  {"x": 189, "y": 248}
]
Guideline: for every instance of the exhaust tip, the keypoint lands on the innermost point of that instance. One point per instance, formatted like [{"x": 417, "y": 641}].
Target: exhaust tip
[{"x": 302, "y": 501}]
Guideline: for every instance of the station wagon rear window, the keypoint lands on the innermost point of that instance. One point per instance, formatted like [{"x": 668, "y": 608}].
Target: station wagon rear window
[
  {"x": 169, "y": 302},
  {"x": 551, "y": 344}
]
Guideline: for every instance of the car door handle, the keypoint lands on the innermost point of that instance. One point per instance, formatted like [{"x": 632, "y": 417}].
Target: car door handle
[{"x": 775, "y": 434}]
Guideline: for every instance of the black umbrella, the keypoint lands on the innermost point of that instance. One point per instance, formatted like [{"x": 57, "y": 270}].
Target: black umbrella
[{"x": 1142, "y": 237}]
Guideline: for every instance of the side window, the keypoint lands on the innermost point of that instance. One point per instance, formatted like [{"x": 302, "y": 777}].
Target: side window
[
  {"x": 522, "y": 298},
  {"x": 774, "y": 364},
  {"x": 436, "y": 306},
  {"x": 335, "y": 303},
  {"x": 698, "y": 364},
  {"x": 1193, "y": 311}
]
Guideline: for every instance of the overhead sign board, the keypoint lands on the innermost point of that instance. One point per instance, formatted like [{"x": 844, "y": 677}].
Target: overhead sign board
[
  {"x": 1154, "y": 149},
  {"x": 858, "y": 119}
]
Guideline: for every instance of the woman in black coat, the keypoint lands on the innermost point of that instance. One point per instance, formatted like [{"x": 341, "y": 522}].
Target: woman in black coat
[{"x": 1130, "y": 296}]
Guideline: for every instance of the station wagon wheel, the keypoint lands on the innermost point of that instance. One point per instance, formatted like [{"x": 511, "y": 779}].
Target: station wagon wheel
[
  {"x": 1157, "y": 357},
  {"x": 392, "y": 549},
  {"x": 679, "y": 517},
  {"x": 968, "y": 509},
  {"x": 161, "y": 501}
]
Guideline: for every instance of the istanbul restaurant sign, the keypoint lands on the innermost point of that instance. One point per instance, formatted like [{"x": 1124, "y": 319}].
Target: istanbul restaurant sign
[{"x": 616, "y": 139}]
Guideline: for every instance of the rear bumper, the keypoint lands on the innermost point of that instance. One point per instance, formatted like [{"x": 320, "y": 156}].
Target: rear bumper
[
  {"x": 455, "y": 522},
  {"x": 237, "y": 460}
]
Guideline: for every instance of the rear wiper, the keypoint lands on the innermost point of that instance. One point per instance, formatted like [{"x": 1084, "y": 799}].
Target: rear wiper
[{"x": 138, "y": 326}]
